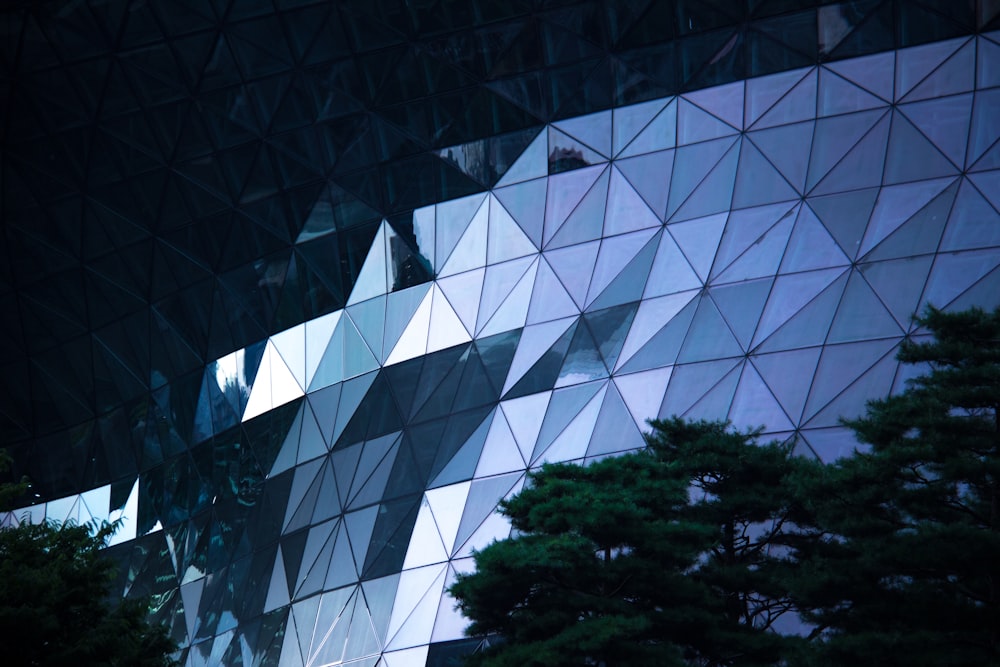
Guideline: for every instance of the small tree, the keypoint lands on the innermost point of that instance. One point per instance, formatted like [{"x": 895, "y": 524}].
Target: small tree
[
  {"x": 56, "y": 606},
  {"x": 741, "y": 489},
  {"x": 657, "y": 557},
  {"x": 905, "y": 565}
]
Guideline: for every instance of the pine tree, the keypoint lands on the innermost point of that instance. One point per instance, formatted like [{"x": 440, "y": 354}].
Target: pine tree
[
  {"x": 56, "y": 603},
  {"x": 658, "y": 557},
  {"x": 905, "y": 566}
]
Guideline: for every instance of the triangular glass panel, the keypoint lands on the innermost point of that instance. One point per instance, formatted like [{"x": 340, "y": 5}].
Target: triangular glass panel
[
  {"x": 330, "y": 369},
  {"x": 973, "y": 223},
  {"x": 524, "y": 203},
  {"x": 987, "y": 70},
  {"x": 413, "y": 341},
  {"x": 954, "y": 273},
  {"x": 305, "y": 486},
  {"x": 652, "y": 316},
  {"x": 274, "y": 385},
  {"x": 446, "y": 329},
  {"x": 371, "y": 281},
  {"x": 861, "y": 315},
  {"x": 358, "y": 358},
  {"x": 536, "y": 340},
  {"x": 446, "y": 505},
  {"x": 758, "y": 181},
  {"x": 828, "y": 444},
  {"x": 582, "y": 362},
  {"x": 291, "y": 346},
  {"x": 724, "y": 102},
  {"x": 754, "y": 405},
  {"x": 760, "y": 259},
  {"x": 787, "y": 148},
  {"x": 563, "y": 408},
  {"x": 593, "y": 131},
  {"x": 643, "y": 392},
  {"x": 714, "y": 193},
  {"x": 463, "y": 292},
  {"x": 500, "y": 453},
  {"x": 984, "y": 294},
  {"x": 811, "y": 246},
  {"x": 574, "y": 266},
  {"x": 567, "y": 153},
  {"x": 480, "y": 511},
  {"x": 753, "y": 243},
  {"x": 897, "y": 204},
  {"x": 615, "y": 254},
  {"x": 614, "y": 430},
  {"x": 531, "y": 164},
  {"x": 764, "y": 92},
  {"x": 499, "y": 282},
  {"x": 462, "y": 465},
  {"x": 988, "y": 183},
  {"x": 586, "y": 221},
  {"x": 911, "y": 156},
  {"x": 921, "y": 234},
  {"x": 352, "y": 393},
  {"x": 851, "y": 403},
  {"x": 369, "y": 318},
  {"x": 513, "y": 312},
  {"x": 629, "y": 121},
  {"x": 549, "y": 298},
  {"x": 954, "y": 75},
  {"x": 506, "y": 239},
  {"x": 691, "y": 165},
  {"x": 626, "y": 210},
  {"x": 990, "y": 159},
  {"x": 709, "y": 336},
  {"x": 470, "y": 250},
  {"x": 649, "y": 174},
  {"x": 571, "y": 443},
  {"x": 791, "y": 389},
  {"x": 699, "y": 240},
  {"x": 915, "y": 63},
  {"x": 862, "y": 166},
  {"x": 899, "y": 284},
  {"x": 379, "y": 595},
  {"x": 945, "y": 122},
  {"x": 811, "y": 324},
  {"x": 630, "y": 282},
  {"x": 694, "y": 124},
  {"x": 834, "y": 138},
  {"x": 452, "y": 218},
  {"x": 671, "y": 272},
  {"x": 426, "y": 547},
  {"x": 837, "y": 95},
  {"x": 399, "y": 310},
  {"x": 796, "y": 105},
  {"x": 564, "y": 196},
  {"x": 741, "y": 305},
  {"x": 845, "y": 216},
  {"x": 660, "y": 134},
  {"x": 415, "y": 587},
  {"x": 841, "y": 365},
  {"x": 692, "y": 381},
  {"x": 985, "y": 129},
  {"x": 718, "y": 399}
]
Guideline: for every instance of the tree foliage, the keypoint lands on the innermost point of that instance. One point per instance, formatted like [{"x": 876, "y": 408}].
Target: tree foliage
[
  {"x": 656, "y": 557},
  {"x": 56, "y": 604},
  {"x": 904, "y": 564},
  {"x": 710, "y": 549}
]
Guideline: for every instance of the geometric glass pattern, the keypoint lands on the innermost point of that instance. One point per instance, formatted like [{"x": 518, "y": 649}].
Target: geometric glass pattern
[{"x": 750, "y": 249}]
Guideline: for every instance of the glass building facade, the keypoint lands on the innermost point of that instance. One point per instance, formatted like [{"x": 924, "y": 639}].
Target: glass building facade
[{"x": 300, "y": 290}]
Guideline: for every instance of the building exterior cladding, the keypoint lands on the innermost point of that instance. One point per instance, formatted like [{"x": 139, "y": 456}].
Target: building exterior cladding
[{"x": 300, "y": 290}]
